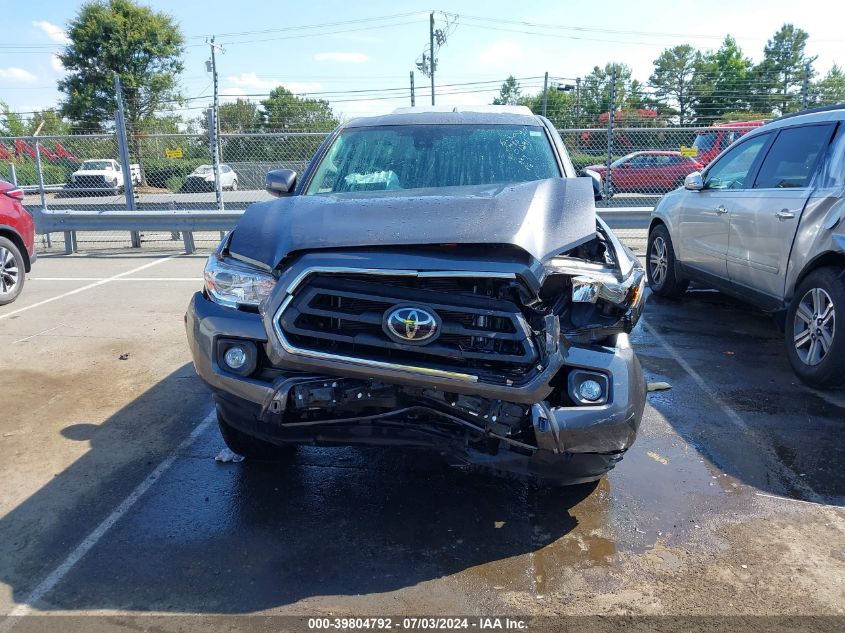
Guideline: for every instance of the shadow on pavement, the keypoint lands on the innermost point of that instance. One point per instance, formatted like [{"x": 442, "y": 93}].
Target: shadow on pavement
[
  {"x": 739, "y": 352},
  {"x": 237, "y": 538}
]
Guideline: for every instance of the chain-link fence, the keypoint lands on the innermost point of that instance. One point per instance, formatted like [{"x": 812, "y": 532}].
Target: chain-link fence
[{"x": 175, "y": 171}]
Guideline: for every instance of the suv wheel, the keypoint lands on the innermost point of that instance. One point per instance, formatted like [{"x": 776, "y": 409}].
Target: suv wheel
[
  {"x": 12, "y": 271},
  {"x": 816, "y": 350},
  {"x": 251, "y": 447},
  {"x": 660, "y": 264}
]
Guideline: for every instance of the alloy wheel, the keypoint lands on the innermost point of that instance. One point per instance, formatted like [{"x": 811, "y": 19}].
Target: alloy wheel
[
  {"x": 658, "y": 261},
  {"x": 9, "y": 272},
  {"x": 814, "y": 326}
]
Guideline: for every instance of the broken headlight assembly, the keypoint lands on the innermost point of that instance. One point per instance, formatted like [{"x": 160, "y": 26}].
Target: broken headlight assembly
[{"x": 234, "y": 284}]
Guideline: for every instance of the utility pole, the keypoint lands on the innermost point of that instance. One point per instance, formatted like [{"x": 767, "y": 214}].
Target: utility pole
[
  {"x": 805, "y": 87},
  {"x": 214, "y": 127},
  {"x": 431, "y": 50},
  {"x": 577, "y": 101},
  {"x": 413, "y": 100},
  {"x": 545, "y": 92},
  {"x": 611, "y": 113}
]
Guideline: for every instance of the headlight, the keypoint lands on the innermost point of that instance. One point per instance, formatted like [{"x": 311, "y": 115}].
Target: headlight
[
  {"x": 589, "y": 288},
  {"x": 73, "y": 178},
  {"x": 234, "y": 284}
]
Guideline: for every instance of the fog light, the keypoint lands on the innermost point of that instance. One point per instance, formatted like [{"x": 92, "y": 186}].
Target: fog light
[
  {"x": 589, "y": 390},
  {"x": 235, "y": 357}
]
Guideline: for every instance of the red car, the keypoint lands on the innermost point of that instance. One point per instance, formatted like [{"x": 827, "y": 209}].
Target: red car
[
  {"x": 17, "y": 242},
  {"x": 709, "y": 142},
  {"x": 648, "y": 172}
]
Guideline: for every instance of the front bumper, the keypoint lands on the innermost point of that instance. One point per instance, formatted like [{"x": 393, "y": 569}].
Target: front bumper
[{"x": 573, "y": 443}]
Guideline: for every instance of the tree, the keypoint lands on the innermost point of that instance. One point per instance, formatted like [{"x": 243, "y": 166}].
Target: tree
[
  {"x": 238, "y": 116},
  {"x": 595, "y": 91},
  {"x": 285, "y": 111},
  {"x": 781, "y": 73},
  {"x": 830, "y": 89},
  {"x": 54, "y": 124},
  {"x": 560, "y": 106},
  {"x": 510, "y": 92},
  {"x": 723, "y": 82},
  {"x": 143, "y": 47},
  {"x": 11, "y": 123},
  {"x": 674, "y": 80}
]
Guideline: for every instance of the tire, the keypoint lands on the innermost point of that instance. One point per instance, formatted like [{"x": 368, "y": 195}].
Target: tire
[
  {"x": 12, "y": 271},
  {"x": 234, "y": 186},
  {"x": 660, "y": 265},
  {"x": 251, "y": 447},
  {"x": 815, "y": 328}
]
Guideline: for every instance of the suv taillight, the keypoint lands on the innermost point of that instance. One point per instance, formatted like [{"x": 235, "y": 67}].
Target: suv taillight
[{"x": 15, "y": 193}]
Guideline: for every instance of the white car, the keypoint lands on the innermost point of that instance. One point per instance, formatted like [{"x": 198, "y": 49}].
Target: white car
[
  {"x": 202, "y": 179},
  {"x": 102, "y": 174}
]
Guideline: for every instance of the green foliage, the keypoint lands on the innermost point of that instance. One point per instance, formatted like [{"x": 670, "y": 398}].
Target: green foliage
[
  {"x": 142, "y": 46},
  {"x": 674, "y": 80},
  {"x": 830, "y": 89},
  {"x": 287, "y": 112},
  {"x": 164, "y": 172},
  {"x": 781, "y": 73},
  {"x": 510, "y": 93},
  {"x": 54, "y": 173},
  {"x": 560, "y": 107},
  {"x": 11, "y": 124},
  {"x": 724, "y": 85},
  {"x": 236, "y": 117}
]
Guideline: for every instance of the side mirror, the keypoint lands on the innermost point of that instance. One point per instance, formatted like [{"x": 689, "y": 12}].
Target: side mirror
[
  {"x": 694, "y": 181},
  {"x": 597, "y": 187},
  {"x": 280, "y": 182}
]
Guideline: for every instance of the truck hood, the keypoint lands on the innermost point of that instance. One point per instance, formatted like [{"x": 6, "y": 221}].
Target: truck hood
[{"x": 543, "y": 217}]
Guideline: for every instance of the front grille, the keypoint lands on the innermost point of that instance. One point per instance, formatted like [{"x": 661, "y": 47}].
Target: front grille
[
  {"x": 480, "y": 334},
  {"x": 91, "y": 181}
]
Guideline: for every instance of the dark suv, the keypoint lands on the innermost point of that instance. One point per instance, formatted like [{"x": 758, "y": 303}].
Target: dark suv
[
  {"x": 436, "y": 279},
  {"x": 17, "y": 242}
]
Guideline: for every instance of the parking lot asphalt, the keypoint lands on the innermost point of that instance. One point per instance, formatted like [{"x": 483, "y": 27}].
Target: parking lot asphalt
[{"x": 730, "y": 502}]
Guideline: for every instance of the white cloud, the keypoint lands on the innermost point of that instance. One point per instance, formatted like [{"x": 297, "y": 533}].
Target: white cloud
[
  {"x": 343, "y": 58},
  {"x": 56, "y": 64},
  {"x": 17, "y": 75},
  {"x": 500, "y": 52},
  {"x": 53, "y": 31},
  {"x": 250, "y": 83}
]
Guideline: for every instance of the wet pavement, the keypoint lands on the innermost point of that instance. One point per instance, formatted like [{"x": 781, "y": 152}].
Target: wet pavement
[{"x": 730, "y": 502}]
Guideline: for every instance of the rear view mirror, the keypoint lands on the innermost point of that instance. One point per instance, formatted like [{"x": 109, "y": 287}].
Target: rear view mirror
[
  {"x": 597, "y": 187},
  {"x": 280, "y": 182},
  {"x": 694, "y": 181}
]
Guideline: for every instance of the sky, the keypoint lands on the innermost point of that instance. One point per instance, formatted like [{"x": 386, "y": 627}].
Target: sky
[{"x": 361, "y": 62}]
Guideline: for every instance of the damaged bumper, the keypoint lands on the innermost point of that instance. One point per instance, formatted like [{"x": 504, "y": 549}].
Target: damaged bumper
[{"x": 533, "y": 426}]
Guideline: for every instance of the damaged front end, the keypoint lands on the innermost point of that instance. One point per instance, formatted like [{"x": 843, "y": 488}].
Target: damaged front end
[{"x": 481, "y": 352}]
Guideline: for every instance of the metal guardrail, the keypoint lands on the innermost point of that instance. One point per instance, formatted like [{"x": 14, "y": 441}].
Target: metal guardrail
[{"x": 186, "y": 222}]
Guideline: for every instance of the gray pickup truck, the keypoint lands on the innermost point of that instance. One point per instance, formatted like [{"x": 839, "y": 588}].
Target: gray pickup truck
[
  {"x": 438, "y": 279},
  {"x": 765, "y": 223}
]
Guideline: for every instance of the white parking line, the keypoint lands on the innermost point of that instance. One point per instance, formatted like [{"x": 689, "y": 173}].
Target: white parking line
[
  {"x": 784, "y": 471},
  {"x": 99, "y": 282},
  {"x": 54, "y": 578},
  {"x": 32, "y": 336}
]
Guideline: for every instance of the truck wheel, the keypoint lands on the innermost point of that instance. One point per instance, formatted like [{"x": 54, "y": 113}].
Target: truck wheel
[
  {"x": 660, "y": 265},
  {"x": 251, "y": 447},
  {"x": 814, "y": 344},
  {"x": 234, "y": 186},
  {"x": 12, "y": 271}
]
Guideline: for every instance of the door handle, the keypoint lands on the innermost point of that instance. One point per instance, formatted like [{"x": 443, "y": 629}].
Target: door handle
[
  {"x": 720, "y": 210},
  {"x": 784, "y": 214}
]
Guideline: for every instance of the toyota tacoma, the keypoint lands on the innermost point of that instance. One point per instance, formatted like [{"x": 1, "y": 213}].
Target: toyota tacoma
[{"x": 437, "y": 279}]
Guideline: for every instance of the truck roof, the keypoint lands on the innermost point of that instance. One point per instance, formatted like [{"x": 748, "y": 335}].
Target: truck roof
[{"x": 451, "y": 115}]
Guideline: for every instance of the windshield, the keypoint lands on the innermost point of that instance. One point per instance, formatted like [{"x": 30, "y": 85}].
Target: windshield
[
  {"x": 202, "y": 170},
  {"x": 420, "y": 156},
  {"x": 705, "y": 140},
  {"x": 624, "y": 159},
  {"x": 96, "y": 164}
]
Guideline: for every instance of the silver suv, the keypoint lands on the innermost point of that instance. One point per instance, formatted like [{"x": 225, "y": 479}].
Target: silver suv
[{"x": 764, "y": 222}]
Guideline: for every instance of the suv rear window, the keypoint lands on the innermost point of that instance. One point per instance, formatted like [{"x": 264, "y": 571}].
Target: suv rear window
[
  {"x": 421, "y": 156},
  {"x": 793, "y": 157}
]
